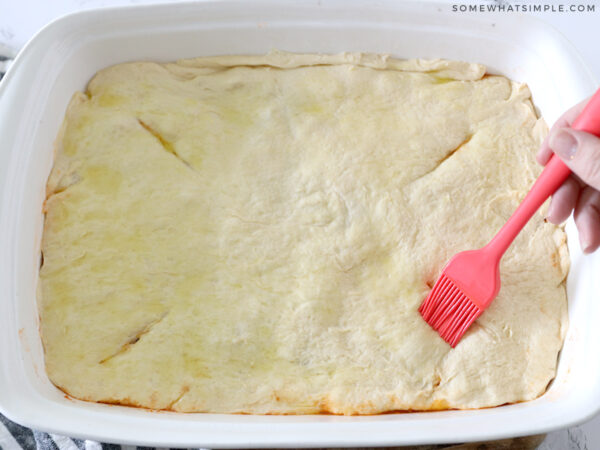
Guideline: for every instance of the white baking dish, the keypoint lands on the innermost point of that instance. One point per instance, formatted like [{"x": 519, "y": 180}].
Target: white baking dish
[{"x": 63, "y": 57}]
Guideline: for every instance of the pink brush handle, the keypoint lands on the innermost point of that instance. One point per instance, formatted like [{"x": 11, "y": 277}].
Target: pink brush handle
[{"x": 553, "y": 175}]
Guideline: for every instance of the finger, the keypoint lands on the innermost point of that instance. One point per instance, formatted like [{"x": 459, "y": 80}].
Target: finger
[
  {"x": 580, "y": 151},
  {"x": 544, "y": 153},
  {"x": 587, "y": 219},
  {"x": 563, "y": 201}
]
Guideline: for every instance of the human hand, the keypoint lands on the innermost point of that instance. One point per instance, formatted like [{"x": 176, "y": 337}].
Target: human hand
[{"x": 580, "y": 193}]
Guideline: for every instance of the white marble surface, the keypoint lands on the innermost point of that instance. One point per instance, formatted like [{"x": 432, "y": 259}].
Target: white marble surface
[{"x": 20, "y": 19}]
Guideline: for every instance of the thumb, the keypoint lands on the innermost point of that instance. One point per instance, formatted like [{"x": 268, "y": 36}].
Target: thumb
[{"x": 580, "y": 151}]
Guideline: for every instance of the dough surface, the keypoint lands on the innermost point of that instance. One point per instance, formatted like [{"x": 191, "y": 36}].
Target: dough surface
[{"x": 256, "y": 233}]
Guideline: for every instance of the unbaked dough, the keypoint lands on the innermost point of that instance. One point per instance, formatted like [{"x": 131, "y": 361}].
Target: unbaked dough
[{"x": 256, "y": 233}]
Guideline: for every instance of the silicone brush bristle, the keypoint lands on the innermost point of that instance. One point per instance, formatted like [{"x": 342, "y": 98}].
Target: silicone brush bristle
[{"x": 448, "y": 310}]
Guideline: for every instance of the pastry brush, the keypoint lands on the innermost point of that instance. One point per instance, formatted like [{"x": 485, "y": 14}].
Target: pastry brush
[{"x": 471, "y": 279}]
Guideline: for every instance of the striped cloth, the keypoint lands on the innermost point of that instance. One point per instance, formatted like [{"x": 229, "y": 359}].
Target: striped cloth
[
  {"x": 16, "y": 437},
  {"x": 6, "y": 57}
]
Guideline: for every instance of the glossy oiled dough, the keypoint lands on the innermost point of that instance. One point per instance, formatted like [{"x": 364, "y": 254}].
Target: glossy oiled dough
[{"x": 256, "y": 234}]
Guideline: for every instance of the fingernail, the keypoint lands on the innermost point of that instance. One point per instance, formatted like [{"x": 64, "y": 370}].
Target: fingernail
[
  {"x": 549, "y": 211},
  {"x": 549, "y": 218},
  {"x": 564, "y": 144},
  {"x": 586, "y": 246}
]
